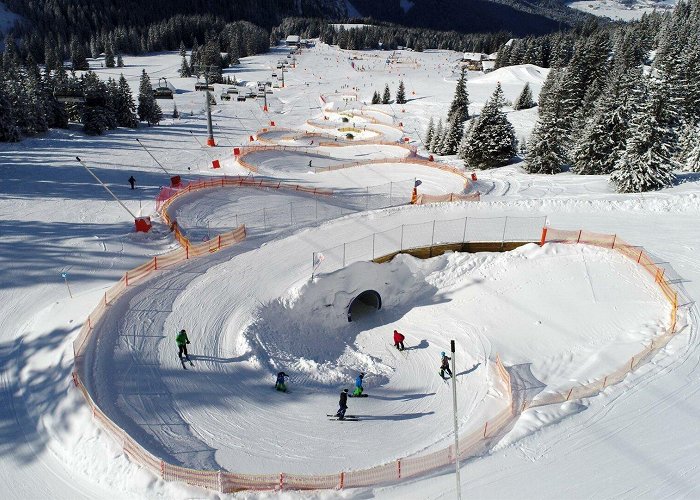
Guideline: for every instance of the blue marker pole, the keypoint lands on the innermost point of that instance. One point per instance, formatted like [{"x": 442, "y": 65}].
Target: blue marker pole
[{"x": 65, "y": 280}]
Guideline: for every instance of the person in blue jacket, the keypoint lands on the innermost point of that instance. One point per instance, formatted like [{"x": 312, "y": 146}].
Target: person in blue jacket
[{"x": 358, "y": 385}]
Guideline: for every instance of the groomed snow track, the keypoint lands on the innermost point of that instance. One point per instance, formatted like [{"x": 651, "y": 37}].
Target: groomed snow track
[{"x": 512, "y": 400}]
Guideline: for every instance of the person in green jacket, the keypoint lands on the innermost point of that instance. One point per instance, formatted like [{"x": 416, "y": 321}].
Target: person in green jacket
[{"x": 182, "y": 342}]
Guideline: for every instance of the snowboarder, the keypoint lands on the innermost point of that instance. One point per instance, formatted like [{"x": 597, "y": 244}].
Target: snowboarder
[
  {"x": 280, "y": 385},
  {"x": 358, "y": 385},
  {"x": 445, "y": 365},
  {"x": 132, "y": 181},
  {"x": 309, "y": 163},
  {"x": 398, "y": 340},
  {"x": 343, "y": 404},
  {"x": 182, "y": 342}
]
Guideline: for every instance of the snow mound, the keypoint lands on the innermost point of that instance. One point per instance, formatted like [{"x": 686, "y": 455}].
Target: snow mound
[{"x": 522, "y": 73}]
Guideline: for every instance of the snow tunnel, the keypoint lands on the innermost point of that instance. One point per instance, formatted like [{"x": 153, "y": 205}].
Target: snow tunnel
[{"x": 365, "y": 303}]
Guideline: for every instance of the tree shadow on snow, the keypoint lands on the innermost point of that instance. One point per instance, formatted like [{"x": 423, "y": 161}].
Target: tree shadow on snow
[{"x": 396, "y": 417}]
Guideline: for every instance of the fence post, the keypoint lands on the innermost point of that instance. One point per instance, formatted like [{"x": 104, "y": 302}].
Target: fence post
[
  {"x": 343, "y": 254},
  {"x": 432, "y": 239},
  {"x": 605, "y": 381},
  {"x": 544, "y": 235},
  {"x": 162, "y": 469},
  {"x": 569, "y": 394},
  {"x": 391, "y": 189},
  {"x": 281, "y": 480},
  {"x": 464, "y": 235},
  {"x": 341, "y": 483},
  {"x": 126, "y": 277},
  {"x": 155, "y": 262},
  {"x": 187, "y": 251},
  {"x": 106, "y": 299},
  {"x": 578, "y": 240},
  {"x": 398, "y": 468},
  {"x": 640, "y": 256},
  {"x": 401, "y": 244},
  {"x": 291, "y": 213},
  {"x": 220, "y": 481},
  {"x": 219, "y": 242},
  {"x": 486, "y": 426},
  {"x": 264, "y": 222},
  {"x": 503, "y": 236},
  {"x": 613, "y": 243},
  {"x": 373, "y": 236},
  {"x": 631, "y": 363}
]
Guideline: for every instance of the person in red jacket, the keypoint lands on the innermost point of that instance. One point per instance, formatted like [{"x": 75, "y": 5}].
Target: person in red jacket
[{"x": 398, "y": 340}]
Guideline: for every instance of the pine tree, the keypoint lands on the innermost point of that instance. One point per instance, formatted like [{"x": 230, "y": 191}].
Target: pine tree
[
  {"x": 96, "y": 116},
  {"x": 401, "y": 94},
  {"x": 429, "y": 133},
  {"x": 176, "y": 113},
  {"x": 376, "y": 99},
  {"x": 120, "y": 61},
  {"x": 109, "y": 57},
  {"x": 436, "y": 141},
  {"x": 497, "y": 97},
  {"x": 545, "y": 149},
  {"x": 148, "y": 108},
  {"x": 125, "y": 109},
  {"x": 525, "y": 100},
  {"x": 9, "y": 131},
  {"x": 491, "y": 142},
  {"x": 185, "y": 71},
  {"x": 646, "y": 164},
  {"x": 460, "y": 102},
  {"x": 386, "y": 97},
  {"x": 77, "y": 56},
  {"x": 604, "y": 137},
  {"x": 183, "y": 49}
]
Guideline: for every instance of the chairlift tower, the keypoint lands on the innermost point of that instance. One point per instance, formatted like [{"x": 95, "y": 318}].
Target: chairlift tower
[{"x": 210, "y": 130}]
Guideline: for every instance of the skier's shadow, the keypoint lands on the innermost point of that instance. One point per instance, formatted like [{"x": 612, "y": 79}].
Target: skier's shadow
[
  {"x": 405, "y": 397},
  {"x": 215, "y": 359},
  {"x": 465, "y": 372},
  {"x": 423, "y": 344},
  {"x": 402, "y": 416}
]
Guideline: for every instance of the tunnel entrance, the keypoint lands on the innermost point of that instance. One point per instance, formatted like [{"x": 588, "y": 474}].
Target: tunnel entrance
[{"x": 364, "y": 304}]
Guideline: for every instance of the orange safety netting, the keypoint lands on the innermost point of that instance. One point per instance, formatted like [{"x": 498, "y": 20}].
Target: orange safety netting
[{"x": 469, "y": 445}]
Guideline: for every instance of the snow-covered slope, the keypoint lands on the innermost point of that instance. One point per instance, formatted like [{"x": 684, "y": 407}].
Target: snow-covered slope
[
  {"x": 622, "y": 10},
  {"x": 572, "y": 312}
]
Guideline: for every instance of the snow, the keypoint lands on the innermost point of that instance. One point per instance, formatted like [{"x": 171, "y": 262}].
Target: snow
[
  {"x": 622, "y": 11},
  {"x": 572, "y": 312}
]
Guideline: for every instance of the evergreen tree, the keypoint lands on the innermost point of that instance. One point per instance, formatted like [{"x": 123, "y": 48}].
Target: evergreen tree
[
  {"x": 545, "y": 150},
  {"x": 452, "y": 137},
  {"x": 183, "y": 49},
  {"x": 386, "y": 97},
  {"x": 77, "y": 56},
  {"x": 185, "y": 71},
  {"x": 148, "y": 108},
  {"x": 124, "y": 108},
  {"x": 9, "y": 131},
  {"x": 604, "y": 137},
  {"x": 429, "y": 133},
  {"x": 436, "y": 140},
  {"x": 401, "y": 94},
  {"x": 120, "y": 61},
  {"x": 459, "y": 109},
  {"x": 491, "y": 142},
  {"x": 525, "y": 99},
  {"x": 109, "y": 57},
  {"x": 96, "y": 116},
  {"x": 646, "y": 164},
  {"x": 176, "y": 113},
  {"x": 691, "y": 158},
  {"x": 376, "y": 99}
]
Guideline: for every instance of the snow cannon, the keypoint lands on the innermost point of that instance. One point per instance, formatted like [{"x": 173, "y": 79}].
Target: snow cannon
[
  {"x": 215, "y": 164},
  {"x": 142, "y": 224},
  {"x": 236, "y": 151},
  {"x": 474, "y": 176},
  {"x": 210, "y": 142},
  {"x": 175, "y": 181}
]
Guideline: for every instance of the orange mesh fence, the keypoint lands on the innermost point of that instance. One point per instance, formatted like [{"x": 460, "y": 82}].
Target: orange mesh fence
[{"x": 638, "y": 255}]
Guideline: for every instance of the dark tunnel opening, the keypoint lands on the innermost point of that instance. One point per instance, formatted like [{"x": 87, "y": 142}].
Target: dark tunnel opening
[{"x": 364, "y": 304}]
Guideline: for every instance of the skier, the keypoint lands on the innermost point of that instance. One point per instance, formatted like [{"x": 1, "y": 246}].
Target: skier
[
  {"x": 445, "y": 365},
  {"x": 280, "y": 385},
  {"x": 182, "y": 342},
  {"x": 132, "y": 181},
  {"x": 398, "y": 340},
  {"x": 343, "y": 405},
  {"x": 358, "y": 385},
  {"x": 309, "y": 163}
]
